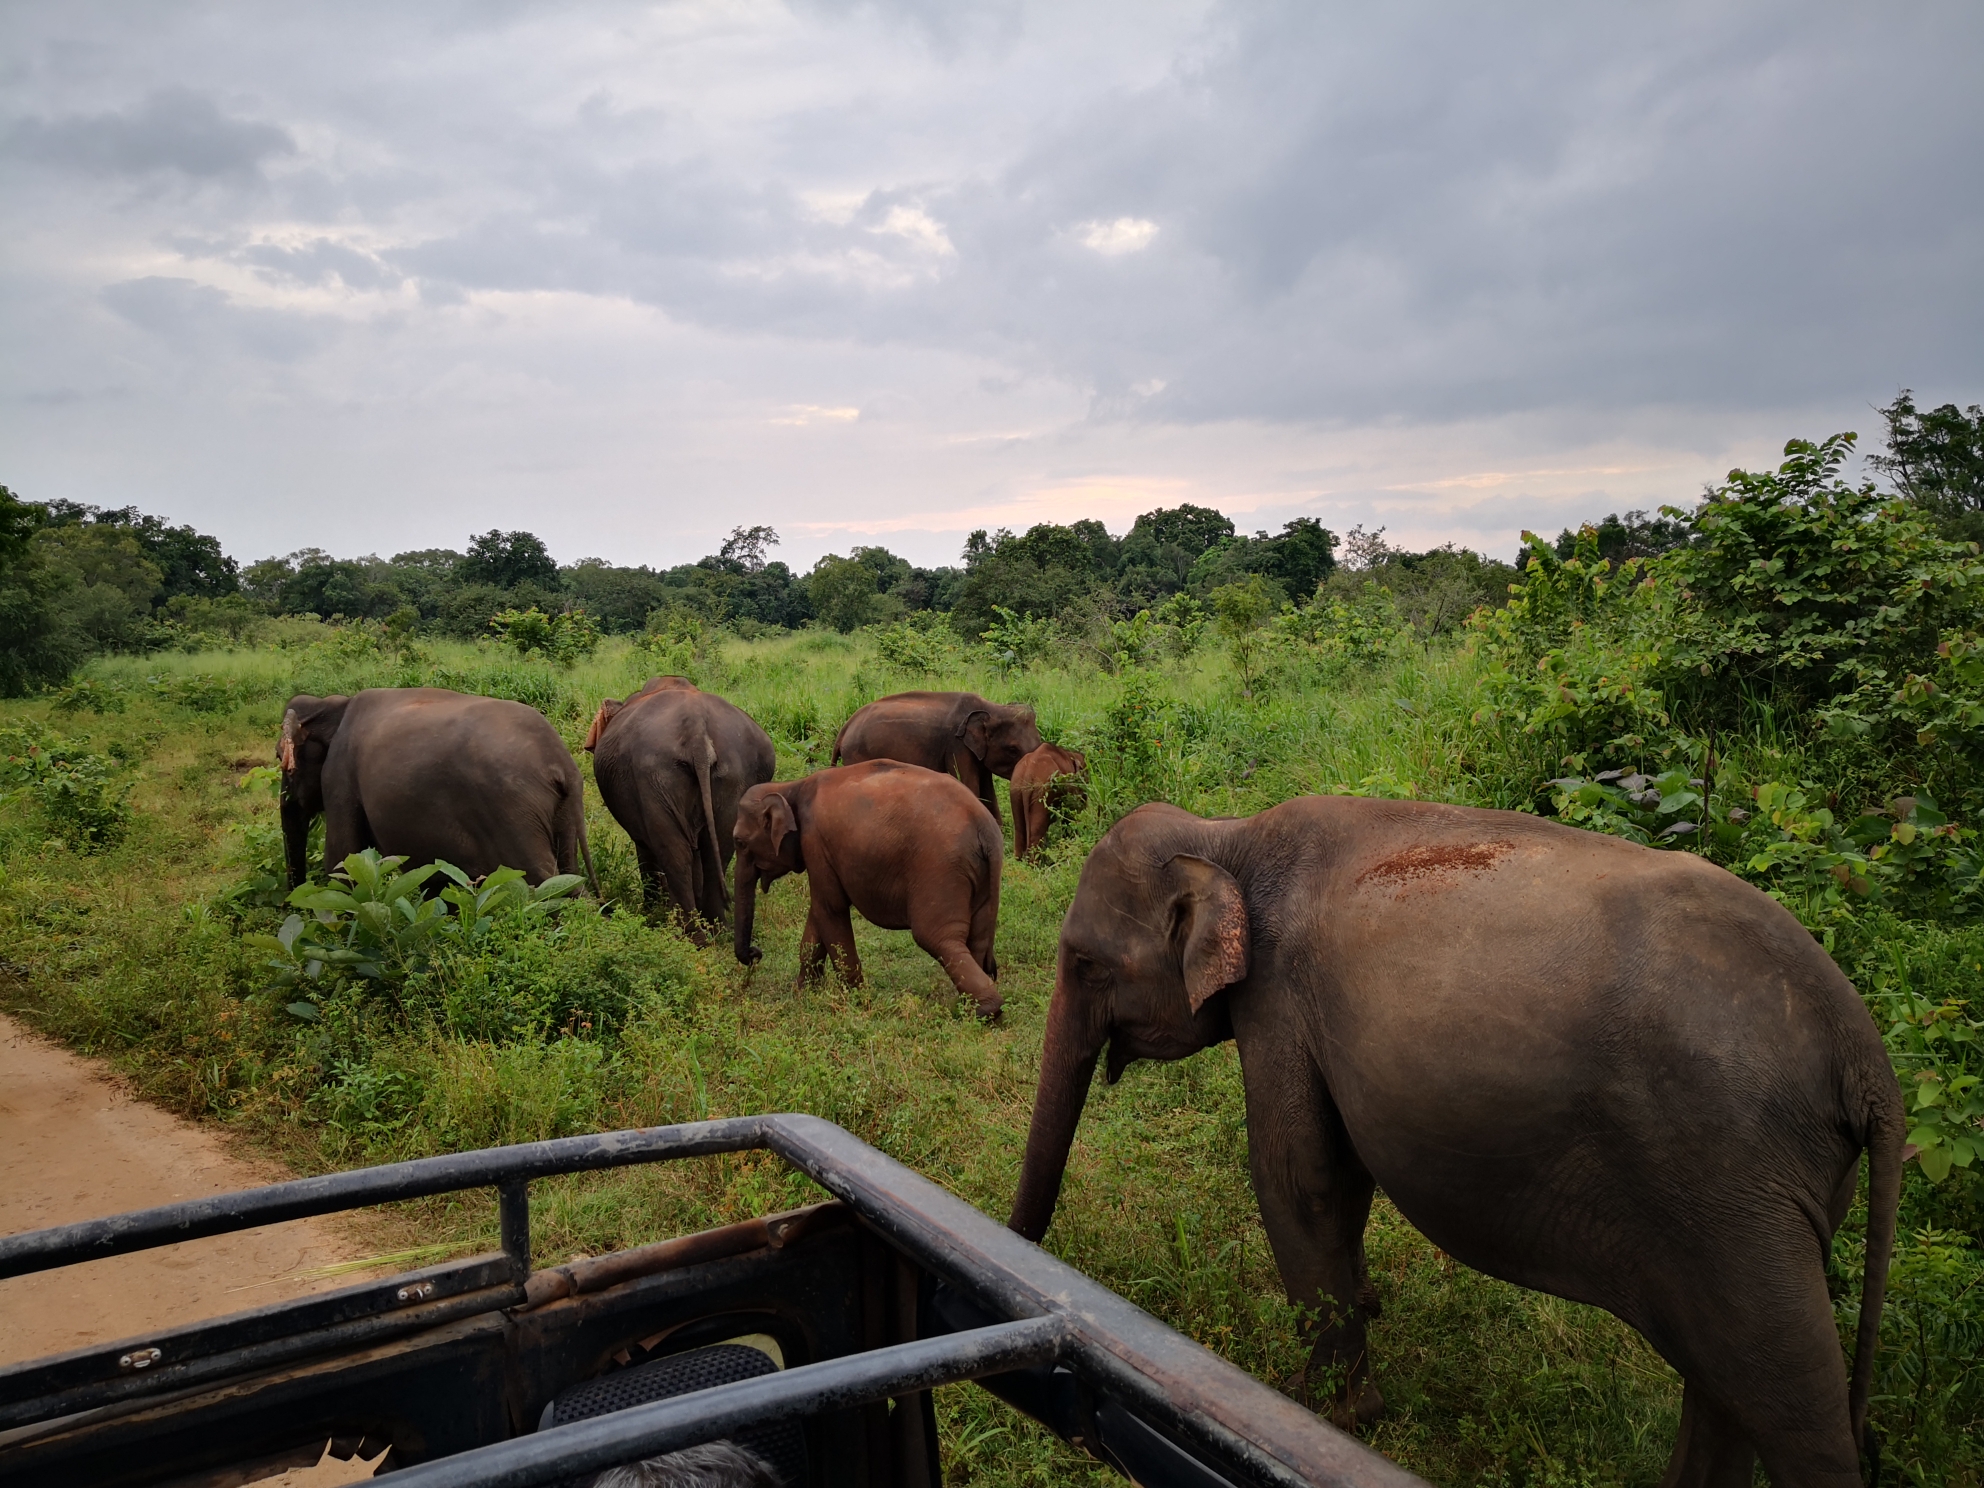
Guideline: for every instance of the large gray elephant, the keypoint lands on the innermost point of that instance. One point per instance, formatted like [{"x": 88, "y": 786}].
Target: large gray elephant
[
  {"x": 954, "y": 733},
  {"x": 481, "y": 783},
  {"x": 670, "y": 763},
  {"x": 1617, "y": 1075}
]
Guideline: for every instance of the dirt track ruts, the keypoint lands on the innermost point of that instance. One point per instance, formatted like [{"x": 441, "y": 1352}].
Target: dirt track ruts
[{"x": 75, "y": 1144}]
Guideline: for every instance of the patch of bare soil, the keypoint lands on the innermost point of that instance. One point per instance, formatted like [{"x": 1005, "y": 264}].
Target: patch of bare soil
[{"x": 74, "y": 1144}]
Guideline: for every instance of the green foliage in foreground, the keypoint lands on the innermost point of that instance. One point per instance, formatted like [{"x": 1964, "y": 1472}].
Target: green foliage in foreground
[{"x": 156, "y": 951}]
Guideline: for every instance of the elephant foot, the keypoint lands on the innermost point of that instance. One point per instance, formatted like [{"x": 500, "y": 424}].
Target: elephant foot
[
  {"x": 1344, "y": 1412},
  {"x": 1349, "y": 1415},
  {"x": 1370, "y": 1404},
  {"x": 992, "y": 1009}
]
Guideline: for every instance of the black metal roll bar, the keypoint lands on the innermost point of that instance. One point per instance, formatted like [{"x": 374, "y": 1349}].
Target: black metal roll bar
[{"x": 1029, "y": 1327}]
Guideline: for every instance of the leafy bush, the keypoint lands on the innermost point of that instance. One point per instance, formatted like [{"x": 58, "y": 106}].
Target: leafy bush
[
  {"x": 1017, "y": 641},
  {"x": 1136, "y": 752},
  {"x": 1185, "y": 620},
  {"x": 563, "y": 638},
  {"x": 1336, "y": 632},
  {"x": 81, "y": 795},
  {"x": 1242, "y": 610},
  {"x": 201, "y": 693},
  {"x": 1832, "y": 601},
  {"x": 922, "y": 649},
  {"x": 89, "y": 696},
  {"x": 375, "y": 922}
]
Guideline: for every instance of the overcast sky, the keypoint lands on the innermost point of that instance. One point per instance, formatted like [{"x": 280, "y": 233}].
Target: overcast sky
[{"x": 373, "y": 277}]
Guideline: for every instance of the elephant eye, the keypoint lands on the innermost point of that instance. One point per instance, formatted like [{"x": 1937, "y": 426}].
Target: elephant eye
[{"x": 1091, "y": 973}]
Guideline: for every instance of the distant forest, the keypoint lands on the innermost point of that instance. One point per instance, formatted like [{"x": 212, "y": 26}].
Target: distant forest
[{"x": 78, "y": 580}]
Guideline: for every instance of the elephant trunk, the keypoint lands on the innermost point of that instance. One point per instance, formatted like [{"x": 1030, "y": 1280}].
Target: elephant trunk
[
  {"x": 1067, "y": 1065},
  {"x": 746, "y": 910}
]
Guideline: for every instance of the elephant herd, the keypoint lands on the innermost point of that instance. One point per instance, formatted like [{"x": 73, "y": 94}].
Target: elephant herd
[
  {"x": 906, "y": 831},
  {"x": 1615, "y": 1074}
]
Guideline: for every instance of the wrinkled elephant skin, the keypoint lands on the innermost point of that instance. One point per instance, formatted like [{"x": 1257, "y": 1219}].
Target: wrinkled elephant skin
[
  {"x": 955, "y": 733},
  {"x": 671, "y": 763},
  {"x": 422, "y": 772},
  {"x": 1043, "y": 780},
  {"x": 908, "y": 847},
  {"x": 1618, "y": 1075}
]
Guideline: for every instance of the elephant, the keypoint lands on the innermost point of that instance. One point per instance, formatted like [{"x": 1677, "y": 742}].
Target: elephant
[
  {"x": 482, "y": 783},
  {"x": 670, "y": 763},
  {"x": 908, "y": 847},
  {"x": 955, "y": 733},
  {"x": 1612, "y": 1073},
  {"x": 1041, "y": 781}
]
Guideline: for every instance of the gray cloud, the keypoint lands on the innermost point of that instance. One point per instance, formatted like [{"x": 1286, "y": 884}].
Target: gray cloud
[
  {"x": 1184, "y": 241},
  {"x": 197, "y": 318},
  {"x": 1366, "y": 214},
  {"x": 173, "y": 130}
]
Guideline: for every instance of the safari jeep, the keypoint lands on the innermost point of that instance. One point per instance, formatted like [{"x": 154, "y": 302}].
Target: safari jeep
[{"x": 811, "y": 1337}]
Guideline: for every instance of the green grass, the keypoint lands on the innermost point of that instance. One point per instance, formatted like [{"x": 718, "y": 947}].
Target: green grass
[{"x": 121, "y": 953}]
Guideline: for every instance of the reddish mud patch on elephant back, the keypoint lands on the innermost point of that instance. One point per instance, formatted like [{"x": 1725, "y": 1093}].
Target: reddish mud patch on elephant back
[{"x": 1418, "y": 865}]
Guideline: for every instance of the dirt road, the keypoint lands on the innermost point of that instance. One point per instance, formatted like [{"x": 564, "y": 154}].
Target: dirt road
[{"x": 75, "y": 1145}]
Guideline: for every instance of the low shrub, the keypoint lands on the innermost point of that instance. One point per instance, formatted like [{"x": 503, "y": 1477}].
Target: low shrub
[{"x": 82, "y": 796}]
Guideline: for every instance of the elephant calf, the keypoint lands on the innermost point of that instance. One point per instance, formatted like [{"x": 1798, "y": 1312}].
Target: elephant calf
[
  {"x": 480, "y": 782},
  {"x": 1041, "y": 781},
  {"x": 671, "y": 763},
  {"x": 1617, "y": 1075},
  {"x": 909, "y": 848},
  {"x": 955, "y": 733}
]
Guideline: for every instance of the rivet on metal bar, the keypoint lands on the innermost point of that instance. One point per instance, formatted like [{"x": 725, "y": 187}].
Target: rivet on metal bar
[
  {"x": 142, "y": 1358},
  {"x": 419, "y": 1291}
]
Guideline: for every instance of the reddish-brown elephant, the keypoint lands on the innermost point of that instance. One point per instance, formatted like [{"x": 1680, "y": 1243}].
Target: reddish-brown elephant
[
  {"x": 1042, "y": 781},
  {"x": 955, "y": 733},
  {"x": 908, "y": 847}
]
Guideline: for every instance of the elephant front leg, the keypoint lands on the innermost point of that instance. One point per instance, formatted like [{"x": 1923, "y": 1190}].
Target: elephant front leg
[
  {"x": 1315, "y": 1197},
  {"x": 829, "y": 937}
]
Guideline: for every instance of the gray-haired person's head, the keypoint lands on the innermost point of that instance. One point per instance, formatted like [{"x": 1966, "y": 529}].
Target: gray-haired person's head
[{"x": 718, "y": 1465}]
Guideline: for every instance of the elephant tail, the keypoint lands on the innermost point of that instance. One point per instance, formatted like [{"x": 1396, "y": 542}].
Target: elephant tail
[
  {"x": 592, "y": 873},
  {"x": 1886, "y": 1131},
  {"x": 712, "y": 858}
]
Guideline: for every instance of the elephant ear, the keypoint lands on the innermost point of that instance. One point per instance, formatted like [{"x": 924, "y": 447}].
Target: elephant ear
[
  {"x": 776, "y": 814},
  {"x": 304, "y": 720},
  {"x": 600, "y": 720},
  {"x": 976, "y": 732},
  {"x": 1209, "y": 926}
]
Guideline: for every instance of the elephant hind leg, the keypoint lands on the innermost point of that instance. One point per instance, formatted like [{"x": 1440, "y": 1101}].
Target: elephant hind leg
[
  {"x": 1751, "y": 1329},
  {"x": 984, "y": 931},
  {"x": 676, "y": 860},
  {"x": 956, "y": 947},
  {"x": 1711, "y": 1450}
]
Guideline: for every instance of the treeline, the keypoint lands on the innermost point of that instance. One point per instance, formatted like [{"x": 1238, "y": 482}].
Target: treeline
[{"x": 79, "y": 580}]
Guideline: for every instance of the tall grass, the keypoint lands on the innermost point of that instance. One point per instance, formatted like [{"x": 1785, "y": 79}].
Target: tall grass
[{"x": 125, "y": 953}]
